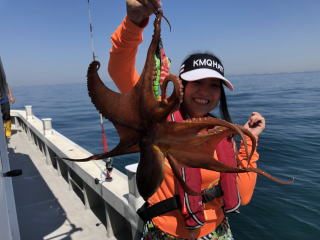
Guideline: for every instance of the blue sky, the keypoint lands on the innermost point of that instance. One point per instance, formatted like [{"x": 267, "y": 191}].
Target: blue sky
[{"x": 47, "y": 41}]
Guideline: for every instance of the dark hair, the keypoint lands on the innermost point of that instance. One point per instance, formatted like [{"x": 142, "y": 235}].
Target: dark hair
[{"x": 224, "y": 112}]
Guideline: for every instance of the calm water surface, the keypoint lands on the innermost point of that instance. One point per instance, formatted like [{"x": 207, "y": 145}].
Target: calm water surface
[{"x": 288, "y": 147}]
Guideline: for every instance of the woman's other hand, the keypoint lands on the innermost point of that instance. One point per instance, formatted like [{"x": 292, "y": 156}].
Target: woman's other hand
[
  {"x": 138, "y": 11},
  {"x": 256, "y": 123}
]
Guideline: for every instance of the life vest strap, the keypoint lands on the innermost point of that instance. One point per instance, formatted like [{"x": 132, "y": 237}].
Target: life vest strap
[
  {"x": 211, "y": 193},
  {"x": 147, "y": 212}
]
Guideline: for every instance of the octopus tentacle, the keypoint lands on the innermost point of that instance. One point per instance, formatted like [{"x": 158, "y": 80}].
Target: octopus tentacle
[
  {"x": 198, "y": 131},
  {"x": 120, "y": 149},
  {"x": 261, "y": 172},
  {"x": 177, "y": 89},
  {"x": 149, "y": 173},
  {"x": 168, "y": 105},
  {"x": 253, "y": 141},
  {"x": 105, "y": 99},
  {"x": 175, "y": 169},
  {"x": 156, "y": 11}
]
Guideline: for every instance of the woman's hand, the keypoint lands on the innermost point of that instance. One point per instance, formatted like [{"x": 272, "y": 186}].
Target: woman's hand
[
  {"x": 256, "y": 124},
  {"x": 138, "y": 11},
  {"x": 12, "y": 100}
]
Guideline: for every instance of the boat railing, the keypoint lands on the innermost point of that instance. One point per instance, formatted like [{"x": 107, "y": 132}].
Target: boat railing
[{"x": 114, "y": 202}]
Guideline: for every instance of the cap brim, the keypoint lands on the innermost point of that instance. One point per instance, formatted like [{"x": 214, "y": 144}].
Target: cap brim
[{"x": 201, "y": 73}]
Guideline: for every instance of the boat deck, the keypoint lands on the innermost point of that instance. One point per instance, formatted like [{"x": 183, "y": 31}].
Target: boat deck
[{"x": 46, "y": 207}]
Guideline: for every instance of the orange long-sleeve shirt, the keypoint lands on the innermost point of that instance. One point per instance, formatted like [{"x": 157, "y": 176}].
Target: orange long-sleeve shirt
[{"x": 125, "y": 42}]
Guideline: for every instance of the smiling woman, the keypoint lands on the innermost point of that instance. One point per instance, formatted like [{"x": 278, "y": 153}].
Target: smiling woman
[
  {"x": 202, "y": 75},
  {"x": 203, "y": 79}
]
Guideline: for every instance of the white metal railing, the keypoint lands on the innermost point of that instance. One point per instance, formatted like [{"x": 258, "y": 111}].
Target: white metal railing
[{"x": 114, "y": 202}]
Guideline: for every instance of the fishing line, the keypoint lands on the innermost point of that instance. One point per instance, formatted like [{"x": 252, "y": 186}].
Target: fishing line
[
  {"x": 91, "y": 31},
  {"x": 108, "y": 161}
]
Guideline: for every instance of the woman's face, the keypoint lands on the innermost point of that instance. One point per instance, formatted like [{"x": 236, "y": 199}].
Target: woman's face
[{"x": 201, "y": 96}]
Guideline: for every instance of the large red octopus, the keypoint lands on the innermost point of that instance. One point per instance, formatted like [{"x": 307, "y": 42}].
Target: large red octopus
[{"x": 140, "y": 120}]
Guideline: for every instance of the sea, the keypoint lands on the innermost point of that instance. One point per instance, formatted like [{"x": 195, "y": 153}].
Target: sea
[{"x": 289, "y": 146}]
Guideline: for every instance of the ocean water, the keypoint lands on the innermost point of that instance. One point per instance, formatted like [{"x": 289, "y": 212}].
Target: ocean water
[{"x": 289, "y": 146}]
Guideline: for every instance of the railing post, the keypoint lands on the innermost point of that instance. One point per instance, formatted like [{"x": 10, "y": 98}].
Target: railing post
[
  {"x": 48, "y": 157},
  {"x": 69, "y": 180},
  {"x": 109, "y": 228},
  {"x": 47, "y": 130},
  {"x": 133, "y": 190},
  {"x": 47, "y": 126},
  {"x": 16, "y": 125},
  {"x": 29, "y": 114},
  {"x": 58, "y": 166},
  {"x": 85, "y": 196},
  {"x": 134, "y": 199}
]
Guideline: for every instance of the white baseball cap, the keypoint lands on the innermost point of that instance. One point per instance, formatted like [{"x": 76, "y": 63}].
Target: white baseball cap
[{"x": 203, "y": 65}]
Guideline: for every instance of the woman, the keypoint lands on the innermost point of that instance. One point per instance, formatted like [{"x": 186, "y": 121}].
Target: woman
[{"x": 170, "y": 213}]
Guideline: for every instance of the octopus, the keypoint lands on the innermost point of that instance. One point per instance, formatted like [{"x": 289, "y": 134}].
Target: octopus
[{"x": 141, "y": 122}]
